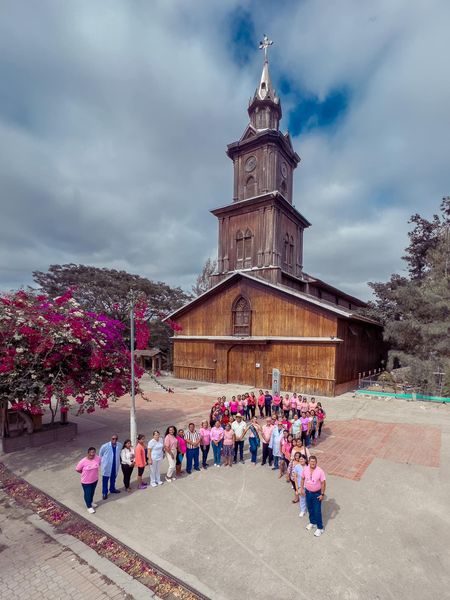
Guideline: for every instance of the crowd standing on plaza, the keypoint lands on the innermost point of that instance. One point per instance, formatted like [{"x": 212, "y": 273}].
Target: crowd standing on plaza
[{"x": 286, "y": 429}]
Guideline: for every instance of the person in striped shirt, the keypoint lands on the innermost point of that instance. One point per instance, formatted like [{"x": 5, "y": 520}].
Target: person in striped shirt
[{"x": 193, "y": 439}]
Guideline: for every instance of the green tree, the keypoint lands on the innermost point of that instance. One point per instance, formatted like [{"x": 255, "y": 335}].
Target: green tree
[{"x": 415, "y": 310}]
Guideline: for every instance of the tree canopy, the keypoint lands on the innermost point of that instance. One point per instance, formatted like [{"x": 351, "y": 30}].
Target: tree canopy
[
  {"x": 107, "y": 291},
  {"x": 415, "y": 309},
  {"x": 202, "y": 283}
]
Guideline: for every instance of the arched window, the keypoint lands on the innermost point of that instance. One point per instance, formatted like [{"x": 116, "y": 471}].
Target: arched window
[
  {"x": 250, "y": 187},
  {"x": 248, "y": 249},
  {"x": 241, "y": 317},
  {"x": 286, "y": 249},
  {"x": 291, "y": 251}
]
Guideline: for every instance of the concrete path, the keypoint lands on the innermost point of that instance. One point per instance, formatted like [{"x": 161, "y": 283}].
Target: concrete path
[{"x": 234, "y": 533}]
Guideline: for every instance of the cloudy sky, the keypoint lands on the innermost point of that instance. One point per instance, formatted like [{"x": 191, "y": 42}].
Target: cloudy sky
[{"x": 115, "y": 116}]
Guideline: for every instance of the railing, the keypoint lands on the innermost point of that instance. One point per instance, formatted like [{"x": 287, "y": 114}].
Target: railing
[{"x": 207, "y": 374}]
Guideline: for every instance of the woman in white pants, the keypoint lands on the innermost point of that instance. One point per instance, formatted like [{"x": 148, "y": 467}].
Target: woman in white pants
[
  {"x": 155, "y": 458},
  {"x": 171, "y": 449}
]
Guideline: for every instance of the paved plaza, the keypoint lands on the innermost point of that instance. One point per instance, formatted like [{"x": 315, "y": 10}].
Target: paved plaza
[{"x": 234, "y": 533}]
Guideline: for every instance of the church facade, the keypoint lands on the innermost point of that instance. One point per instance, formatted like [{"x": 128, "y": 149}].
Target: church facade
[{"x": 263, "y": 311}]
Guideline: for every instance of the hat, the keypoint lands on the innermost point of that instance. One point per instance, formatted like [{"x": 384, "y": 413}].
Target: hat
[{"x": 238, "y": 415}]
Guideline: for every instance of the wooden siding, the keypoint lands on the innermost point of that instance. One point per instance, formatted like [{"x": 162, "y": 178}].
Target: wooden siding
[
  {"x": 362, "y": 349},
  {"x": 272, "y": 314},
  {"x": 194, "y": 360},
  {"x": 306, "y": 368}
]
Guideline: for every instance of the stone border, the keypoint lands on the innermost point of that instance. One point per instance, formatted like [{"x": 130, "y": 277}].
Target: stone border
[
  {"x": 90, "y": 541},
  {"x": 105, "y": 567}
]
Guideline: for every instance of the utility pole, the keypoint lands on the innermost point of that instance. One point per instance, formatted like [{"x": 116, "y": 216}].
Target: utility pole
[{"x": 133, "y": 424}]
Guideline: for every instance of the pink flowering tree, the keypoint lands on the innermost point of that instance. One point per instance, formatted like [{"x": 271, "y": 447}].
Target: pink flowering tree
[{"x": 53, "y": 352}]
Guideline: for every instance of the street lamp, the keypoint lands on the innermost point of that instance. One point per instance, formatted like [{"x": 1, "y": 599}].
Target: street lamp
[{"x": 133, "y": 424}]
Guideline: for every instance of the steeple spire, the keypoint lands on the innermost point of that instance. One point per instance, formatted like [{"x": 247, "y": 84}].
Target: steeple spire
[{"x": 264, "y": 108}]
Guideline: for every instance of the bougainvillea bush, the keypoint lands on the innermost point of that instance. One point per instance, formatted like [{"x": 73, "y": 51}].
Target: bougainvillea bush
[{"x": 52, "y": 351}]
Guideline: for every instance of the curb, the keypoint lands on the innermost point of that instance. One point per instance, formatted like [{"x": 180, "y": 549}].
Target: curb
[{"x": 105, "y": 567}]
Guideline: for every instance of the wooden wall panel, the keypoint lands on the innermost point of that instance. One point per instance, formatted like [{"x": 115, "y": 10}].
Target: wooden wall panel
[
  {"x": 272, "y": 314},
  {"x": 362, "y": 350},
  {"x": 194, "y": 360}
]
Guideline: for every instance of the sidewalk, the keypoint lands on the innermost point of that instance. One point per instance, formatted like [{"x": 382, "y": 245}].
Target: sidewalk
[{"x": 34, "y": 565}]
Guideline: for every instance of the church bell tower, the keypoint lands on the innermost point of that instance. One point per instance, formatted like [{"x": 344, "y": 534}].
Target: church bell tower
[{"x": 261, "y": 231}]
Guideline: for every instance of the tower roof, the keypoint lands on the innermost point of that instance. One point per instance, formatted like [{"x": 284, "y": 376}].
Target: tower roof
[{"x": 265, "y": 98}]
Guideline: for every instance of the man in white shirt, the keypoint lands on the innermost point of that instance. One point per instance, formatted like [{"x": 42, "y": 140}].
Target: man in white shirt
[{"x": 239, "y": 428}]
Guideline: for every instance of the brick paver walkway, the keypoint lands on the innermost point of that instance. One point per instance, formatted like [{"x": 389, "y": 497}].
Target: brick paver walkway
[
  {"x": 349, "y": 447},
  {"x": 34, "y": 566}
]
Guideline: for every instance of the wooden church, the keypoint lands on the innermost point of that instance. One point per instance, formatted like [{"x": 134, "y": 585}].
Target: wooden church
[{"x": 262, "y": 310}]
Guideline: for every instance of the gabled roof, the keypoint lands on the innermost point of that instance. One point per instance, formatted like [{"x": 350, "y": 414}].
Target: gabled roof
[{"x": 328, "y": 306}]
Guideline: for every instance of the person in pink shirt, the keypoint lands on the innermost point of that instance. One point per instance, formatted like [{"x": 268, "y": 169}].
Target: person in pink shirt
[
  {"x": 266, "y": 434},
  {"x": 182, "y": 447},
  {"x": 304, "y": 405},
  {"x": 286, "y": 403},
  {"x": 217, "y": 441},
  {"x": 312, "y": 404},
  {"x": 294, "y": 405},
  {"x": 228, "y": 445},
  {"x": 321, "y": 415},
  {"x": 299, "y": 406},
  {"x": 261, "y": 402},
  {"x": 88, "y": 467},
  {"x": 313, "y": 485},
  {"x": 205, "y": 442},
  {"x": 276, "y": 401},
  {"x": 234, "y": 406}
]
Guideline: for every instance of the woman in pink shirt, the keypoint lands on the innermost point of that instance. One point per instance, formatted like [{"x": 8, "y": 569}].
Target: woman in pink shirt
[
  {"x": 286, "y": 402},
  {"x": 234, "y": 406},
  {"x": 261, "y": 401},
  {"x": 276, "y": 401},
  {"x": 304, "y": 405},
  {"x": 205, "y": 441},
  {"x": 88, "y": 467},
  {"x": 228, "y": 445},
  {"x": 217, "y": 441},
  {"x": 299, "y": 406},
  {"x": 294, "y": 405},
  {"x": 312, "y": 405},
  {"x": 181, "y": 451}
]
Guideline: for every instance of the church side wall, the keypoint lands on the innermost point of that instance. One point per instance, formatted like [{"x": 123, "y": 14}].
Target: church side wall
[{"x": 361, "y": 351}]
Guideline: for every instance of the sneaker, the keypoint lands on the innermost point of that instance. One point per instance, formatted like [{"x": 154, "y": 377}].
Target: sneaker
[
  {"x": 160, "y": 483},
  {"x": 104, "y": 496},
  {"x": 318, "y": 533},
  {"x": 142, "y": 487},
  {"x": 302, "y": 514},
  {"x": 310, "y": 526},
  {"x": 91, "y": 510},
  {"x": 168, "y": 480},
  {"x": 154, "y": 484},
  {"x": 243, "y": 462},
  {"x": 197, "y": 469},
  {"x": 94, "y": 505},
  {"x": 114, "y": 491}
]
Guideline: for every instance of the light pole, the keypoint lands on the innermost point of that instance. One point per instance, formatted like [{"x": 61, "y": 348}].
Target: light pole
[{"x": 133, "y": 424}]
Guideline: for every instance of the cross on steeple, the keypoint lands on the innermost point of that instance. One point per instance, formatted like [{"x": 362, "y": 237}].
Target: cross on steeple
[{"x": 264, "y": 45}]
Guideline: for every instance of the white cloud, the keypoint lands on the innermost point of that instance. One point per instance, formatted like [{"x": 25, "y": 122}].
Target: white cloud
[{"x": 114, "y": 119}]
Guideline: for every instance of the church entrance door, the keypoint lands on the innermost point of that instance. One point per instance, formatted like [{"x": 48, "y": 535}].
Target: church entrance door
[{"x": 241, "y": 365}]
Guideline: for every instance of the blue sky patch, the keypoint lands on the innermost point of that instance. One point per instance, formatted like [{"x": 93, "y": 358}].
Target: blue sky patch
[
  {"x": 308, "y": 112},
  {"x": 243, "y": 36}
]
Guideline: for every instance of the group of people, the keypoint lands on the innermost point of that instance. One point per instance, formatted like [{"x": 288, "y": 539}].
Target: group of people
[{"x": 291, "y": 426}]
